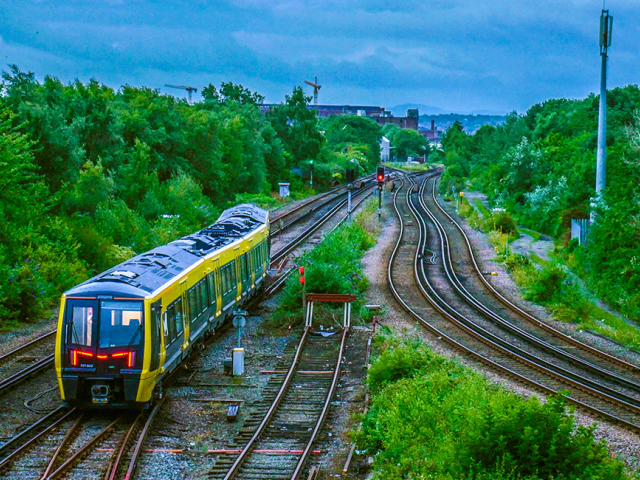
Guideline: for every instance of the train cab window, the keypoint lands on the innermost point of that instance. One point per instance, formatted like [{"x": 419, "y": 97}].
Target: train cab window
[
  {"x": 120, "y": 324},
  {"x": 80, "y": 323}
]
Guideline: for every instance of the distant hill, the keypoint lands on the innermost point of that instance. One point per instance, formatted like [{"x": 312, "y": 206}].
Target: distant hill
[
  {"x": 401, "y": 110},
  {"x": 471, "y": 123}
]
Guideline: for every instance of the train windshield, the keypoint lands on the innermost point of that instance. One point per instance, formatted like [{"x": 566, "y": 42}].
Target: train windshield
[
  {"x": 120, "y": 324},
  {"x": 81, "y": 321}
]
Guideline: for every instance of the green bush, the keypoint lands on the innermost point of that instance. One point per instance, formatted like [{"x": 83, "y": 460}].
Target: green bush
[
  {"x": 334, "y": 266},
  {"x": 433, "y": 418}
]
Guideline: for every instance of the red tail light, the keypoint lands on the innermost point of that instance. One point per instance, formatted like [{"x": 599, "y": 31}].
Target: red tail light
[
  {"x": 131, "y": 357},
  {"x": 74, "y": 354}
]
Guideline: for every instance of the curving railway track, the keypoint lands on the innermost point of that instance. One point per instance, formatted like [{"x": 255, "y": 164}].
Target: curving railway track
[{"x": 423, "y": 279}]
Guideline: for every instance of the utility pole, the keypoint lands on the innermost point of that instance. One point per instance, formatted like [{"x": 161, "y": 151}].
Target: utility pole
[{"x": 606, "y": 26}]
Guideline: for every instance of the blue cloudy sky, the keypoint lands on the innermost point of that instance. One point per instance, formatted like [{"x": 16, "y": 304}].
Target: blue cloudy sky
[{"x": 458, "y": 55}]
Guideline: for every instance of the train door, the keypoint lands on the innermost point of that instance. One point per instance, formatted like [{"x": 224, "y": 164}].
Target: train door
[
  {"x": 155, "y": 350},
  {"x": 172, "y": 329}
]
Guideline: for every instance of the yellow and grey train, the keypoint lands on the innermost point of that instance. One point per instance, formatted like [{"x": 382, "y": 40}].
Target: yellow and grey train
[{"x": 123, "y": 331}]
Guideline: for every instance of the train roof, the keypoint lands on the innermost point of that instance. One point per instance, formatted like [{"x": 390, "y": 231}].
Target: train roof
[{"x": 145, "y": 273}]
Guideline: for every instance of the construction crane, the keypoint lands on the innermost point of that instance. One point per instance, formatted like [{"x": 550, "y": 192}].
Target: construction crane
[
  {"x": 182, "y": 87},
  {"x": 316, "y": 87}
]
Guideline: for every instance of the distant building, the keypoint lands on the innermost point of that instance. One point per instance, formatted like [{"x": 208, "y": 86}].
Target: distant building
[
  {"x": 410, "y": 121},
  {"x": 433, "y": 135},
  {"x": 385, "y": 149},
  {"x": 379, "y": 114}
]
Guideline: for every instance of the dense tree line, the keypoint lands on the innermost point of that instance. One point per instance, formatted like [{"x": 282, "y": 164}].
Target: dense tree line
[
  {"x": 540, "y": 166},
  {"x": 92, "y": 176},
  {"x": 405, "y": 142}
]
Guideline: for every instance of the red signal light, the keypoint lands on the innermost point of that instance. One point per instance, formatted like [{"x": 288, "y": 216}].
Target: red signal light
[
  {"x": 302, "y": 279},
  {"x": 301, "y": 270},
  {"x": 380, "y": 178}
]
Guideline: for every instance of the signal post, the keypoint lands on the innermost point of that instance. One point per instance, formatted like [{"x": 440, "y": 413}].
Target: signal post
[{"x": 380, "y": 179}]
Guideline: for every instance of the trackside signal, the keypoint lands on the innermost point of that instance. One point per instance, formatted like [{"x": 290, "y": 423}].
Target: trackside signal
[{"x": 380, "y": 176}]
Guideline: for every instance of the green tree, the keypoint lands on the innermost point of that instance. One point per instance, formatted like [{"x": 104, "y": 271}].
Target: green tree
[{"x": 297, "y": 127}]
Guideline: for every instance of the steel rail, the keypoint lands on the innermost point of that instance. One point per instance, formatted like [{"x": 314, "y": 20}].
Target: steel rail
[
  {"x": 325, "y": 410},
  {"x": 56, "y": 454},
  {"x": 246, "y": 451},
  {"x": 313, "y": 228},
  {"x": 133, "y": 462},
  {"x": 539, "y": 365},
  {"x": 459, "y": 346},
  {"x": 531, "y": 339},
  {"x": 78, "y": 454},
  {"x": 32, "y": 441},
  {"x": 22, "y": 375},
  {"x": 17, "y": 350},
  {"x": 9, "y": 444},
  {"x": 336, "y": 190},
  {"x": 524, "y": 313}
]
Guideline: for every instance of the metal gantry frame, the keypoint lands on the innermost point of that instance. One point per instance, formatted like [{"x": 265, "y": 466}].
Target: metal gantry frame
[{"x": 311, "y": 298}]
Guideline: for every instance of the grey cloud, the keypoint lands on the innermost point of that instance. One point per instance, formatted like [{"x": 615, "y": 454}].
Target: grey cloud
[{"x": 492, "y": 55}]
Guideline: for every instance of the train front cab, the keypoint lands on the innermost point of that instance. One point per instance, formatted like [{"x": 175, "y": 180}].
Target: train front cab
[{"x": 100, "y": 356}]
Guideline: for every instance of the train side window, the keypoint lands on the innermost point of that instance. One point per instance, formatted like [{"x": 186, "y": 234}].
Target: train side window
[
  {"x": 174, "y": 313},
  {"x": 165, "y": 328},
  {"x": 191, "y": 296},
  {"x": 243, "y": 268},
  {"x": 179, "y": 318},
  {"x": 202, "y": 296},
  {"x": 211, "y": 279},
  {"x": 234, "y": 277}
]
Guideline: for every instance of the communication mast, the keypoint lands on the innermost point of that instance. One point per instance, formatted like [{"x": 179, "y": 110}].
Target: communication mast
[{"x": 606, "y": 27}]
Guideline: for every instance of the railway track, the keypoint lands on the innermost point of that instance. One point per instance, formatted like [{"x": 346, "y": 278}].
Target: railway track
[
  {"x": 458, "y": 324},
  {"x": 36, "y": 354},
  {"x": 279, "y": 436},
  {"x": 281, "y": 221}
]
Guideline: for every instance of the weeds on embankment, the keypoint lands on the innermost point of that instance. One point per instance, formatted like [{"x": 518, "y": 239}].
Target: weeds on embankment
[
  {"x": 432, "y": 417},
  {"x": 551, "y": 283},
  {"x": 334, "y": 266}
]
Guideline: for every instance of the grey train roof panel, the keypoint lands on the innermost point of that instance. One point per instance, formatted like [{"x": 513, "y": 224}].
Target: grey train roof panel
[{"x": 148, "y": 271}]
